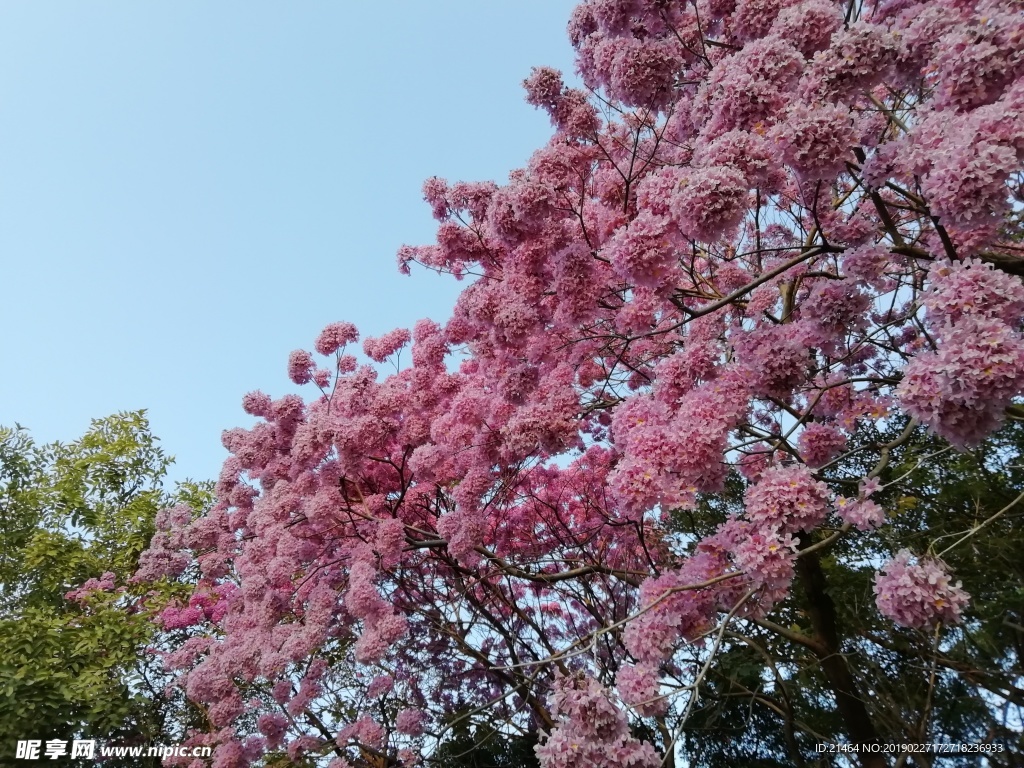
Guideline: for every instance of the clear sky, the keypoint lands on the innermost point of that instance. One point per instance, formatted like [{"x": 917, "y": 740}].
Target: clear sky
[{"x": 190, "y": 189}]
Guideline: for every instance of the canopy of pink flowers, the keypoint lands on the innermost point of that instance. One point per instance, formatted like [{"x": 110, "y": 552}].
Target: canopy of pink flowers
[{"x": 757, "y": 227}]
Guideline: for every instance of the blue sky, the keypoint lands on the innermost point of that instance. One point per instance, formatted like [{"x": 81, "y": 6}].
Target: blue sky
[{"x": 190, "y": 190}]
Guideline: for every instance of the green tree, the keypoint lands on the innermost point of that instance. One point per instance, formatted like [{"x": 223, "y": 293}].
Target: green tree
[{"x": 78, "y": 667}]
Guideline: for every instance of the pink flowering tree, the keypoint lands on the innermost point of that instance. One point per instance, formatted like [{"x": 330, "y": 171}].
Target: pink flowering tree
[{"x": 771, "y": 250}]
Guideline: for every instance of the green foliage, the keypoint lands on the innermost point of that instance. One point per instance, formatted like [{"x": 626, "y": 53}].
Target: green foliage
[{"x": 68, "y": 513}]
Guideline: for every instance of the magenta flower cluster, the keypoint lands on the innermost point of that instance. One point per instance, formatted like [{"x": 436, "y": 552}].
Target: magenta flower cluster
[
  {"x": 591, "y": 732},
  {"x": 962, "y": 388},
  {"x": 918, "y": 592},
  {"x": 760, "y": 227}
]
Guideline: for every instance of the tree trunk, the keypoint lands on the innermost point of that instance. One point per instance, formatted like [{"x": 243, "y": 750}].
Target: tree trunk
[{"x": 822, "y": 612}]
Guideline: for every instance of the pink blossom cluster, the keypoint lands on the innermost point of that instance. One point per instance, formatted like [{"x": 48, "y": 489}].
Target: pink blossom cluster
[
  {"x": 179, "y": 618},
  {"x": 751, "y": 154},
  {"x": 591, "y": 732},
  {"x": 858, "y": 57},
  {"x": 758, "y": 227},
  {"x": 962, "y": 388},
  {"x": 365, "y": 730},
  {"x": 819, "y": 443},
  {"x": 104, "y": 583},
  {"x": 379, "y": 349},
  {"x": 815, "y": 141},
  {"x": 382, "y": 626},
  {"x": 972, "y": 288},
  {"x": 808, "y": 25},
  {"x": 863, "y": 514},
  {"x": 334, "y": 337},
  {"x": 637, "y": 686},
  {"x": 766, "y": 556},
  {"x": 681, "y": 605},
  {"x": 787, "y": 499},
  {"x": 274, "y": 726},
  {"x": 776, "y": 358},
  {"x": 918, "y": 592},
  {"x": 300, "y": 366},
  {"x": 710, "y": 202},
  {"x": 832, "y": 311},
  {"x": 645, "y": 252},
  {"x": 667, "y": 460},
  {"x": 380, "y": 685},
  {"x": 411, "y": 721}
]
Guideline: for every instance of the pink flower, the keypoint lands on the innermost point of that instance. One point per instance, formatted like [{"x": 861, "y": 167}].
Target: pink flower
[
  {"x": 833, "y": 309},
  {"x": 300, "y": 366},
  {"x": 379, "y": 686},
  {"x": 816, "y": 140},
  {"x": 975, "y": 63},
  {"x": 808, "y": 25},
  {"x": 857, "y": 58},
  {"x": 591, "y": 731},
  {"x": 820, "y": 443},
  {"x": 380, "y": 349},
  {"x": 643, "y": 252},
  {"x": 972, "y": 288},
  {"x": 435, "y": 192},
  {"x": 918, "y": 594},
  {"x": 282, "y": 691},
  {"x": 274, "y": 726},
  {"x": 103, "y": 584},
  {"x": 767, "y": 557},
  {"x": 710, "y": 202},
  {"x": 863, "y": 514},
  {"x": 638, "y": 687},
  {"x": 410, "y": 722},
  {"x": 962, "y": 389},
  {"x": 569, "y": 108},
  {"x": 365, "y": 730},
  {"x": 776, "y": 357},
  {"x": 869, "y": 486},
  {"x": 753, "y": 18},
  {"x": 643, "y": 73},
  {"x": 679, "y": 614},
  {"x": 300, "y": 746},
  {"x": 178, "y": 618},
  {"x": 748, "y": 152},
  {"x": 748, "y": 89},
  {"x": 544, "y": 88},
  {"x": 868, "y": 264},
  {"x": 256, "y": 404},
  {"x": 788, "y": 499},
  {"x": 966, "y": 185},
  {"x": 334, "y": 337}
]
